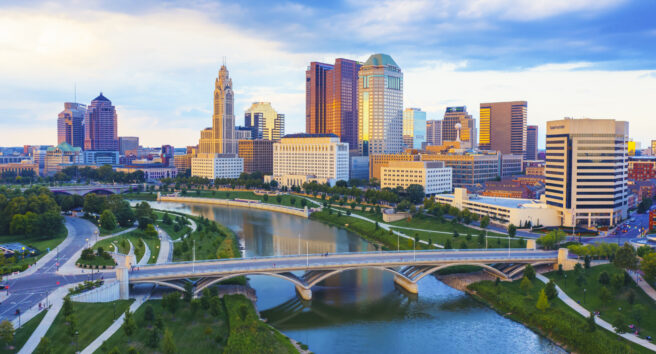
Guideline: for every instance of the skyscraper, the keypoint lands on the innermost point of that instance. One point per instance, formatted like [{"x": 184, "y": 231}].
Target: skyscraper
[
  {"x": 465, "y": 132},
  {"x": 434, "y": 132},
  {"x": 586, "y": 171},
  {"x": 414, "y": 128},
  {"x": 128, "y": 145},
  {"x": 100, "y": 126},
  {"x": 531, "y": 142},
  {"x": 342, "y": 101},
  {"x": 503, "y": 127},
  {"x": 315, "y": 97},
  {"x": 220, "y": 138},
  {"x": 380, "y": 106},
  {"x": 264, "y": 122},
  {"x": 70, "y": 124}
]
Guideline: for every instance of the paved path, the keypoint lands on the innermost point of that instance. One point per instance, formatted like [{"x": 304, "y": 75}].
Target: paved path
[
  {"x": 398, "y": 233},
  {"x": 117, "y": 234},
  {"x": 165, "y": 248},
  {"x": 585, "y": 313},
  {"x": 116, "y": 325},
  {"x": 643, "y": 284},
  {"x": 146, "y": 255}
]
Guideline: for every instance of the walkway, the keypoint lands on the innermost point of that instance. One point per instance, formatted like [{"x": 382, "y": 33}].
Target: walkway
[
  {"x": 146, "y": 256},
  {"x": 643, "y": 284},
  {"x": 585, "y": 313},
  {"x": 398, "y": 233},
  {"x": 130, "y": 229}
]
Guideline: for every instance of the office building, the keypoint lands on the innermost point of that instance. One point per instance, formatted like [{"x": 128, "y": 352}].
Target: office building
[
  {"x": 24, "y": 168},
  {"x": 414, "y": 128},
  {"x": 634, "y": 148},
  {"x": 301, "y": 158},
  {"x": 219, "y": 139},
  {"x": 153, "y": 172},
  {"x": 642, "y": 168},
  {"x": 432, "y": 175},
  {"x": 470, "y": 169},
  {"x": 61, "y": 156},
  {"x": 315, "y": 97},
  {"x": 99, "y": 158},
  {"x": 257, "y": 155},
  {"x": 503, "y": 127},
  {"x": 359, "y": 168},
  {"x": 531, "y": 142},
  {"x": 510, "y": 165},
  {"x": 653, "y": 147},
  {"x": 264, "y": 122},
  {"x": 213, "y": 166},
  {"x": 70, "y": 124},
  {"x": 380, "y": 106},
  {"x": 380, "y": 160},
  {"x": 100, "y": 125},
  {"x": 167, "y": 156},
  {"x": 128, "y": 145},
  {"x": 458, "y": 125},
  {"x": 586, "y": 173},
  {"x": 243, "y": 133},
  {"x": 182, "y": 162},
  {"x": 434, "y": 132}
]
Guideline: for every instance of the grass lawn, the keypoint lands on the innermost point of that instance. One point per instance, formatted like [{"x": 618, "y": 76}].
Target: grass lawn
[
  {"x": 23, "y": 334},
  {"x": 117, "y": 229},
  {"x": 43, "y": 245},
  {"x": 559, "y": 322},
  {"x": 457, "y": 242},
  {"x": 618, "y": 304},
  {"x": 92, "y": 319},
  {"x": 152, "y": 196},
  {"x": 170, "y": 229},
  {"x": 432, "y": 223},
  {"x": 137, "y": 238},
  {"x": 285, "y": 200},
  {"x": 208, "y": 241}
]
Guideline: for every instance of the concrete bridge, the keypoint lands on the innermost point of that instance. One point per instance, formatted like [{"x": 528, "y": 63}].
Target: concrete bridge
[
  {"x": 94, "y": 188},
  {"x": 408, "y": 267}
]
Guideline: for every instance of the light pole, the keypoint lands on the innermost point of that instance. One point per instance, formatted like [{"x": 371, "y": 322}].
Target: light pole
[
  {"x": 414, "y": 250},
  {"x": 398, "y": 243},
  {"x": 485, "y": 239},
  {"x": 584, "y": 291},
  {"x": 307, "y": 254},
  {"x": 299, "y": 243},
  {"x": 193, "y": 262}
]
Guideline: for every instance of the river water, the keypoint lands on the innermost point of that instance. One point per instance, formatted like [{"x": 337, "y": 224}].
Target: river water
[{"x": 363, "y": 311}]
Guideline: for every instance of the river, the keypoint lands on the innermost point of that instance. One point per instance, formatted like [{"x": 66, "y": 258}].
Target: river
[{"x": 363, "y": 311}]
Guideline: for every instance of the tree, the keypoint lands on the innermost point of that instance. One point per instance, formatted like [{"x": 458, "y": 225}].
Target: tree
[
  {"x": 448, "y": 245},
  {"x": 150, "y": 231},
  {"x": 586, "y": 262},
  {"x": 278, "y": 199},
  {"x": 638, "y": 312},
  {"x": 631, "y": 297},
  {"x": 604, "y": 295},
  {"x": 107, "y": 220},
  {"x": 643, "y": 251},
  {"x": 189, "y": 291},
  {"x": 124, "y": 215},
  {"x": 552, "y": 239},
  {"x": 525, "y": 285},
  {"x": 485, "y": 221},
  {"x": 265, "y": 198},
  {"x": 168, "y": 346},
  {"x": 543, "y": 301},
  {"x": 167, "y": 219},
  {"x": 591, "y": 325},
  {"x": 6, "y": 332},
  {"x": 149, "y": 314},
  {"x": 44, "y": 346},
  {"x": 648, "y": 265},
  {"x": 580, "y": 280},
  {"x": 129, "y": 325},
  {"x": 604, "y": 278},
  {"x": 529, "y": 272},
  {"x": 481, "y": 238},
  {"x": 171, "y": 301},
  {"x": 93, "y": 203},
  {"x": 626, "y": 257},
  {"x": 512, "y": 230},
  {"x": 415, "y": 193},
  {"x": 550, "y": 290},
  {"x": 67, "y": 306},
  {"x": 620, "y": 324},
  {"x": 153, "y": 338}
]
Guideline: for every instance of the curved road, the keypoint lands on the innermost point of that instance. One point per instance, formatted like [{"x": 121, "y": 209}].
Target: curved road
[{"x": 29, "y": 290}]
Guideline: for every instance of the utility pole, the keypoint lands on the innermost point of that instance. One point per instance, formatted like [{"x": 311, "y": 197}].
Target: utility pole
[
  {"x": 414, "y": 250},
  {"x": 307, "y": 254},
  {"x": 299, "y": 243},
  {"x": 193, "y": 262},
  {"x": 485, "y": 239}
]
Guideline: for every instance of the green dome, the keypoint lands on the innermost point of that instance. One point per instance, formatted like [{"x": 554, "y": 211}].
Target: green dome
[{"x": 381, "y": 59}]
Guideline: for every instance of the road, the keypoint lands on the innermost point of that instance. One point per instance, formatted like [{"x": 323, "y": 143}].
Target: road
[
  {"x": 334, "y": 261},
  {"x": 27, "y": 291},
  {"x": 634, "y": 229}
]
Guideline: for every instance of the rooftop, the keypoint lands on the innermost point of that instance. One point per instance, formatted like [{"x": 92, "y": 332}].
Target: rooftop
[
  {"x": 306, "y": 135},
  {"x": 101, "y": 98},
  {"x": 381, "y": 59},
  {"x": 502, "y": 202}
]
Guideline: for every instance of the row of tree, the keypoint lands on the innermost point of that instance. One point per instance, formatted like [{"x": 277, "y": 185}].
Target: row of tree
[
  {"x": 32, "y": 213},
  {"x": 103, "y": 173}
]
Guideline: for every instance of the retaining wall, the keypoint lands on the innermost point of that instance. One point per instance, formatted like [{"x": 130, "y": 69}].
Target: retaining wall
[
  {"x": 106, "y": 293},
  {"x": 261, "y": 206}
]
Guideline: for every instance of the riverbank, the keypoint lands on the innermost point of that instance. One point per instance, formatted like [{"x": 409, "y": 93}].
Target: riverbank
[
  {"x": 559, "y": 323},
  {"x": 236, "y": 203}
]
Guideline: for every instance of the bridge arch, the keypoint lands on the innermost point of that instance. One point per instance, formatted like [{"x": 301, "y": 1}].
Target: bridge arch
[
  {"x": 206, "y": 282},
  {"x": 167, "y": 284},
  {"x": 443, "y": 266},
  {"x": 100, "y": 191},
  {"x": 329, "y": 274}
]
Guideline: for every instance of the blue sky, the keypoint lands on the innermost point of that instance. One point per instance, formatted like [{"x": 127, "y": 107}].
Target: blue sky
[{"x": 157, "y": 60}]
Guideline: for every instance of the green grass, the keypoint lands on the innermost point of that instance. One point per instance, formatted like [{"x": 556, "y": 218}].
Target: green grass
[
  {"x": 23, "y": 334},
  {"x": 456, "y": 242},
  {"x": 559, "y": 322},
  {"x": 207, "y": 241},
  {"x": 285, "y": 200},
  {"x": 117, "y": 229},
  {"x": 42, "y": 245},
  {"x": 432, "y": 223},
  {"x": 169, "y": 229},
  {"x": 92, "y": 319},
  {"x": 610, "y": 310},
  {"x": 151, "y": 196},
  {"x": 137, "y": 238}
]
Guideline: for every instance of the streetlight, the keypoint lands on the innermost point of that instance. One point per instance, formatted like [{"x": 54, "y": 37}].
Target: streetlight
[
  {"x": 565, "y": 275},
  {"x": 584, "y": 290},
  {"x": 77, "y": 339}
]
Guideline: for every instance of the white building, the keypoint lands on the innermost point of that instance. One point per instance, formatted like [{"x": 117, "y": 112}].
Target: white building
[
  {"x": 214, "y": 166},
  {"x": 151, "y": 173},
  {"x": 432, "y": 175},
  {"x": 61, "y": 156},
  {"x": 587, "y": 170},
  {"x": 300, "y": 158}
]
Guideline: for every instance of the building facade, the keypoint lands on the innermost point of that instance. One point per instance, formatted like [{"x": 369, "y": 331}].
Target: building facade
[
  {"x": 642, "y": 168},
  {"x": 61, "y": 156},
  {"x": 586, "y": 172},
  {"x": 434, "y": 132},
  {"x": 219, "y": 139},
  {"x": 380, "y": 106},
  {"x": 23, "y": 168},
  {"x": 342, "y": 101},
  {"x": 304, "y": 156},
  {"x": 531, "y": 142},
  {"x": 264, "y": 122},
  {"x": 458, "y": 125},
  {"x": 213, "y": 166},
  {"x": 503, "y": 127},
  {"x": 315, "y": 97},
  {"x": 100, "y": 125},
  {"x": 70, "y": 124},
  {"x": 380, "y": 160},
  {"x": 128, "y": 145},
  {"x": 469, "y": 168},
  {"x": 432, "y": 175},
  {"x": 257, "y": 155},
  {"x": 510, "y": 165},
  {"x": 414, "y": 128}
]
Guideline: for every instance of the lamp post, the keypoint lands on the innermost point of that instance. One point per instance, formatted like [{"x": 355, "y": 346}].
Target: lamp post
[
  {"x": 77, "y": 339},
  {"x": 193, "y": 263},
  {"x": 565, "y": 280},
  {"x": 584, "y": 291},
  {"x": 307, "y": 254}
]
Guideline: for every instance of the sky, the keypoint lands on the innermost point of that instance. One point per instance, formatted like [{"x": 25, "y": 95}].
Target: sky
[{"x": 157, "y": 60}]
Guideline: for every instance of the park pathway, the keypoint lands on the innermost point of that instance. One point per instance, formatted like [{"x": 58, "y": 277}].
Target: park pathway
[
  {"x": 146, "y": 256},
  {"x": 643, "y": 284},
  {"x": 165, "y": 247},
  {"x": 585, "y": 313}
]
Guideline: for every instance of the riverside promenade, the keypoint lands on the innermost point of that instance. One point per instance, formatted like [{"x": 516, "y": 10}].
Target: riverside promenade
[{"x": 237, "y": 203}]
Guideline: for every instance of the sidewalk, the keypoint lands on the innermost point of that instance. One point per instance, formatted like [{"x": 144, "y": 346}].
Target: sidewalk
[
  {"x": 400, "y": 234},
  {"x": 640, "y": 281},
  {"x": 95, "y": 345},
  {"x": 603, "y": 324},
  {"x": 56, "y": 302},
  {"x": 165, "y": 248},
  {"x": 146, "y": 255}
]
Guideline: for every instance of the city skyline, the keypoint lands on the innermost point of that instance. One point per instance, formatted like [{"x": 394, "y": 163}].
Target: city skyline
[{"x": 172, "y": 108}]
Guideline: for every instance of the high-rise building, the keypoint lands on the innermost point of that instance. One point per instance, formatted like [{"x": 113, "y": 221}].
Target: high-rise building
[
  {"x": 213, "y": 166},
  {"x": 586, "y": 172},
  {"x": 414, "y": 128},
  {"x": 470, "y": 169},
  {"x": 167, "y": 155},
  {"x": 243, "y": 133},
  {"x": 219, "y": 139},
  {"x": 531, "y": 142},
  {"x": 458, "y": 125},
  {"x": 61, "y": 156},
  {"x": 70, "y": 124},
  {"x": 342, "y": 101},
  {"x": 128, "y": 145},
  {"x": 257, "y": 155},
  {"x": 380, "y": 106},
  {"x": 264, "y": 122},
  {"x": 634, "y": 148},
  {"x": 301, "y": 158},
  {"x": 434, "y": 132},
  {"x": 503, "y": 127},
  {"x": 100, "y": 125},
  {"x": 315, "y": 97},
  {"x": 653, "y": 147}
]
